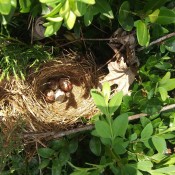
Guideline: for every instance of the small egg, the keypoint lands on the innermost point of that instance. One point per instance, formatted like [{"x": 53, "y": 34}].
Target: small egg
[
  {"x": 52, "y": 84},
  {"x": 49, "y": 95},
  {"x": 60, "y": 96},
  {"x": 65, "y": 85}
]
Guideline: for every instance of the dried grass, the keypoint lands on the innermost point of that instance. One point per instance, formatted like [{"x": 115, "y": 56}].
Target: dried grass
[{"x": 25, "y": 100}]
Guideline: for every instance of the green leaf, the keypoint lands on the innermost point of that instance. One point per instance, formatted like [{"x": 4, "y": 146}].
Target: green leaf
[
  {"x": 153, "y": 16},
  {"x": 79, "y": 8},
  {"x": 55, "y": 11},
  {"x": 120, "y": 125},
  {"x": 143, "y": 36},
  {"x": 73, "y": 145},
  {"x": 64, "y": 156},
  {"x": 166, "y": 170},
  {"x": 144, "y": 165},
  {"x": 49, "y": 1},
  {"x": 170, "y": 44},
  {"x": 169, "y": 85},
  {"x": 44, "y": 163},
  {"x": 106, "y": 90},
  {"x": 144, "y": 121},
  {"x": 80, "y": 172},
  {"x": 166, "y": 16},
  {"x": 70, "y": 19},
  {"x": 5, "y": 7},
  {"x": 159, "y": 143},
  {"x": 165, "y": 78},
  {"x": 104, "y": 8},
  {"x": 147, "y": 131},
  {"x": 153, "y": 5},
  {"x": 52, "y": 28},
  {"x": 99, "y": 101},
  {"x": 103, "y": 129},
  {"x": 58, "y": 144},
  {"x": 55, "y": 19},
  {"x": 163, "y": 93},
  {"x": 65, "y": 9},
  {"x": 25, "y": 6},
  {"x": 89, "y": 15},
  {"x": 46, "y": 152},
  {"x": 91, "y": 2},
  {"x": 56, "y": 167},
  {"x": 115, "y": 102},
  {"x": 133, "y": 137},
  {"x": 95, "y": 146},
  {"x": 119, "y": 146},
  {"x": 125, "y": 18}
]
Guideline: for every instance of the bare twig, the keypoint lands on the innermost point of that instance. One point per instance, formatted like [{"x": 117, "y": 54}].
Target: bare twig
[
  {"x": 55, "y": 135},
  {"x": 158, "y": 40}
]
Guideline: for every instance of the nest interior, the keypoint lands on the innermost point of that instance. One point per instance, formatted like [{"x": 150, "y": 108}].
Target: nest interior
[{"x": 25, "y": 99}]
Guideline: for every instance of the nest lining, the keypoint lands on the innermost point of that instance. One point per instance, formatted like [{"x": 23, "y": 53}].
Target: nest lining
[{"x": 26, "y": 100}]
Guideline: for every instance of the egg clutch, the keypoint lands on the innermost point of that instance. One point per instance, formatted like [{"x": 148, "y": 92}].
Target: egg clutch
[{"x": 58, "y": 89}]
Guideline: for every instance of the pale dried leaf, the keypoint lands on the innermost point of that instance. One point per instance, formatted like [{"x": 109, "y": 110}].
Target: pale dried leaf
[{"x": 119, "y": 74}]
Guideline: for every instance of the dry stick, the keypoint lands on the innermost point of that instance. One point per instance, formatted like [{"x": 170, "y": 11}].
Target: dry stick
[
  {"x": 54, "y": 135},
  {"x": 158, "y": 40}
]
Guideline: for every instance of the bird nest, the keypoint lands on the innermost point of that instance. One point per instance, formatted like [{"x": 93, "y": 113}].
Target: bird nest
[{"x": 27, "y": 101}]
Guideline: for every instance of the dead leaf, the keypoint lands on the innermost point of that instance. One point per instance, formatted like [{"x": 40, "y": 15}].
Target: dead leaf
[{"x": 119, "y": 74}]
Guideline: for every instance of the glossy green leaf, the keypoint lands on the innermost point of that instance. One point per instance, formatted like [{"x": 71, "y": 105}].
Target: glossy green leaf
[
  {"x": 69, "y": 20},
  {"x": 125, "y": 18},
  {"x": 147, "y": 131},
  {"x": 80, "y": 172},
  {"x": 153, "y": 16},
  {"x": 144, "y": 165},
  {"x": 133, "y": 137},
  {"x": 159, "y": 143},
  {"x": 25, "y": 6},
  {"x": 115, "y": 102},
  {"x": 153, "y": 5},
  {"x": 165, "y": 78},
  {"x": 95, "y": 146},
  {"x": 46, "y": 152},
  {"x": 55, "y": 19},
  {"x": 169, "y": 85},
  {"x": 55, "y": 11},
  {"x": 119, "y": 149},
  {"x": 104, "y": 8},
  {"x": 170, "y": 44},
  {"x": 65, "y": 9},
  {"x": 119, "y": 146},
  {"x": 106, "y": 90},
  {"x": 44, "y": 163},
  {"x": 103, "y": 129},
  {"x": 163, "y": 93},
  {"x": 166, "y": 170},
  {"x": 79, "y": 8},
  {"x": 99, "y": 101},
  {"x": 89, "y": 15},
  {"x": 166, "y": 16},
  {"x": 143, "y": 36},
  {"x": 144, "y": 121},
  {"x": 5, "y": 7},
  {"x": 58, "y": 144},
  {"x": 120, "y": 125},
  {"x": 91, "y": 2},
  {"x": 52, "y": 28},
  {"x": 49, "y": 1}
]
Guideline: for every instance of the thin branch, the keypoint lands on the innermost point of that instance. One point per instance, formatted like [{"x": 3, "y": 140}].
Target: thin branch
[
  {"x": 158, "y": 40},
  {"x": 56, "y": 135}
]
